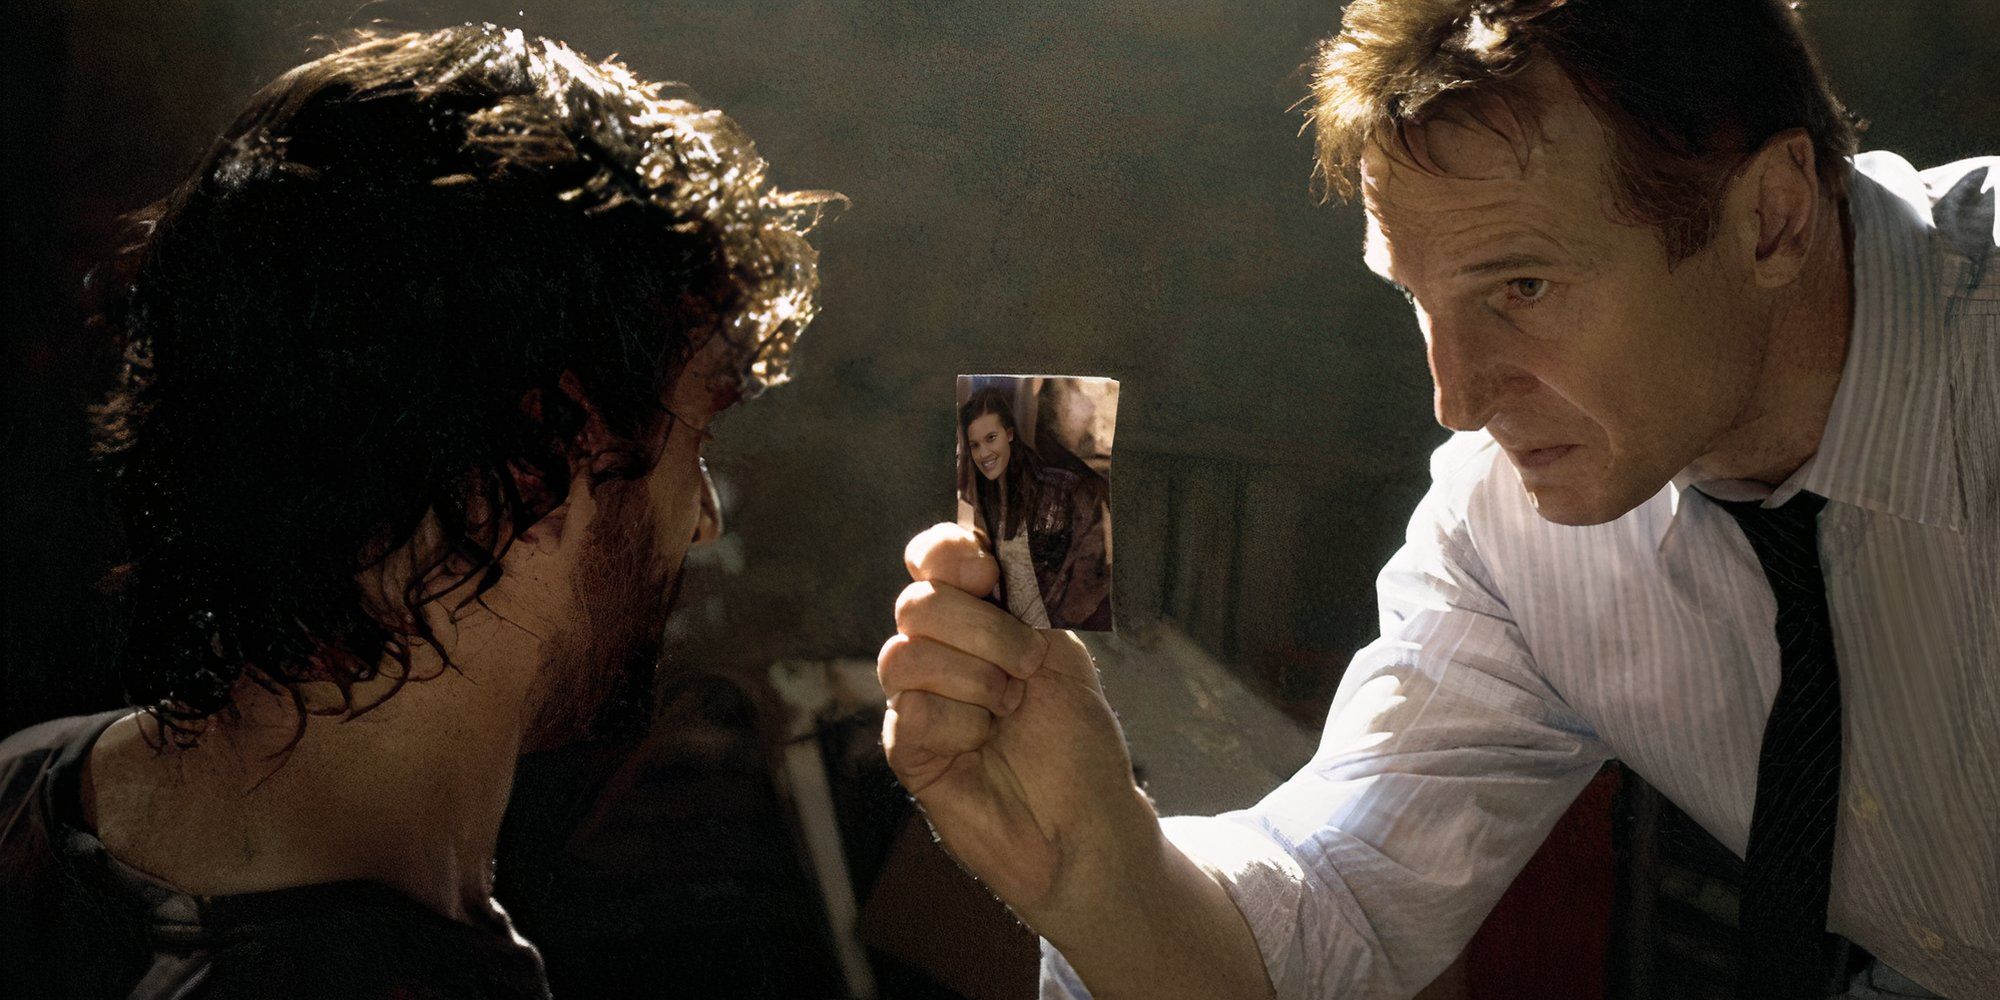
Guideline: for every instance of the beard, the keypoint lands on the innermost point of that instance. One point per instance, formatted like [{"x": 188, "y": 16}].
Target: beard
[{"x": 601, "y": 669}]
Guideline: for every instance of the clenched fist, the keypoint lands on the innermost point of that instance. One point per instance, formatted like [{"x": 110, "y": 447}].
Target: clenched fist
[{"x": 1003, "y": 735}]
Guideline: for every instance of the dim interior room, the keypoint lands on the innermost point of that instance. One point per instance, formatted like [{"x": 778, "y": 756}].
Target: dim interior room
[{"x": 1116, "y": 189}]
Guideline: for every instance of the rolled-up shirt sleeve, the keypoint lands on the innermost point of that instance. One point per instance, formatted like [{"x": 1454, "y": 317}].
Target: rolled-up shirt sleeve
[{"x": 1444, "y": 762}]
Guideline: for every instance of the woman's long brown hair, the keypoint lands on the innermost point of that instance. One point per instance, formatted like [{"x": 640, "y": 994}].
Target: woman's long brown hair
[{"x": 1021, "y": 477}]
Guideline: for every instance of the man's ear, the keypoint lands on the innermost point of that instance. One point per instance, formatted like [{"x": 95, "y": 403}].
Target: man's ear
[
  {"x": 708, "y": 382},
  {"x": 566, "y": 412},
  {"x": 568, "y": 519},
  {"x": 1776, "y": 206}
]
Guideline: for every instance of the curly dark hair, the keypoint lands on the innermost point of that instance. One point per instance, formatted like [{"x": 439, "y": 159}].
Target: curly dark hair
[{"x": 393, "y": 291}]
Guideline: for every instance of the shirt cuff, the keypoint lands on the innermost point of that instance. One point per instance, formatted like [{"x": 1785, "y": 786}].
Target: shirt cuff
[{"x": 1264, "y": 881}]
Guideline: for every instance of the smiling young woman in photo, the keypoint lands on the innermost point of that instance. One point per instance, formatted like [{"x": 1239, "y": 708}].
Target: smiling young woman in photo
[{"x": 1045, "y": 524}]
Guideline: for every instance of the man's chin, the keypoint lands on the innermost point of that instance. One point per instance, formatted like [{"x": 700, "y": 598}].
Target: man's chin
[
  {"x": 1571, "y": 517},
  {"x": 1580, "y": 507},
  {"x": 609, "y": 694},
  {"x": 622, "y": 712}
]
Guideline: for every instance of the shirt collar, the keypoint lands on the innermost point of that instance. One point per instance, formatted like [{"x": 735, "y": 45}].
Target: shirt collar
[{"x": 1889, "y": 444}]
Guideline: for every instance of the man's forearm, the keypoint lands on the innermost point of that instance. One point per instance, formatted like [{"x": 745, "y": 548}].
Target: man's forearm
[{"x": 1166, "y": 931}]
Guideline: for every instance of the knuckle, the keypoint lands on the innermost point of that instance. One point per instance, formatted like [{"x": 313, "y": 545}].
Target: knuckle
[
  {"x": 914, "y": 714},
  {"x": 912, "y": 601},
  {"x": 1064, "y": 640},
  {"x": 993, "y": 684},
  {"x": 894, "y": 740},
  {"x": 901, "y": 758},
  {"x": 894, "y": 650},
  {"x": 892, "y": 661}
]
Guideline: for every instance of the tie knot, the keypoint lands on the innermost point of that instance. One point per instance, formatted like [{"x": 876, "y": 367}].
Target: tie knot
[
  {"x": 1785, "y": 539},
  {"x": 1799, "y": 515}
]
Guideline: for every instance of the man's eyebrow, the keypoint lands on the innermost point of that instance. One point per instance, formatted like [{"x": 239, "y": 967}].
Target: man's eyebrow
[{"x": 1508, "y": 262}]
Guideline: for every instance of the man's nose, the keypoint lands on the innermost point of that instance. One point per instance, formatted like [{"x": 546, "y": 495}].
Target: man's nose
[{"x": 1468, "y": 379}]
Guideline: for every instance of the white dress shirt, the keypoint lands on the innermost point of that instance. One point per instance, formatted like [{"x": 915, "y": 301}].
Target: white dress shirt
[{"x": 1518, "y": 655}]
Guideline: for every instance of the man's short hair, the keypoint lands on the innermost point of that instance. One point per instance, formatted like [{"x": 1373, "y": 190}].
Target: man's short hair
[
  {"x": 1686, "y": 89},
  {"x": 331, "y": 328}
]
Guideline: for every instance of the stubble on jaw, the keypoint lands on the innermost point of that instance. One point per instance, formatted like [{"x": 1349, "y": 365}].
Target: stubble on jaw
[{"x": 597, "y": 672}]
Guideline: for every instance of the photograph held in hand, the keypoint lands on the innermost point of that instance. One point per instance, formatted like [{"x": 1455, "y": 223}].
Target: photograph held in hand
[{"x": 1034, "y": 484}]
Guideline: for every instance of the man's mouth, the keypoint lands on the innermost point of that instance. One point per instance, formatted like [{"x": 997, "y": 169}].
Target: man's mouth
[{"x": 1535, "y": 458}]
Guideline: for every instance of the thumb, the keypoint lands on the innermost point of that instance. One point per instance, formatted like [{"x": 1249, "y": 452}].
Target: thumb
[
  {"x": 1067, "y": 657},
  {"x": 953, "y": 556}
]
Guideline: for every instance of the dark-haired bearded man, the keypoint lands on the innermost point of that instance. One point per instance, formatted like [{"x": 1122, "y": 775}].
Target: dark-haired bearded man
[
  {"x": 420, "y": 363},
  {"x": 1724, "y": 504}
]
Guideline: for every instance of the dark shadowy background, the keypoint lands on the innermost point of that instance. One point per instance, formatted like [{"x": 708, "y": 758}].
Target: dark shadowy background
[{"x": 1116, "y": 188}]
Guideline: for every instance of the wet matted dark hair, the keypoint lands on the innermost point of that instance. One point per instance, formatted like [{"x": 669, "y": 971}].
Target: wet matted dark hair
[{"x": 394, "y": 290}]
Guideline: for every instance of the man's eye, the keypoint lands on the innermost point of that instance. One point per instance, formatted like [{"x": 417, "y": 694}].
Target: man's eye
[{"x": 1527, "y": 291}]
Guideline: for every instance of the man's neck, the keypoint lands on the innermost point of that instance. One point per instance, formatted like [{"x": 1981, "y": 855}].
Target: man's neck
[
  {"x": 409, "y": 794},
  {"x": 1780, "y": 428}
]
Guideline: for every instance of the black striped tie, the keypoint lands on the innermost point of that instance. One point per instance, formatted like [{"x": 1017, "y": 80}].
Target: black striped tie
[{"x": 1788, "y": 869}]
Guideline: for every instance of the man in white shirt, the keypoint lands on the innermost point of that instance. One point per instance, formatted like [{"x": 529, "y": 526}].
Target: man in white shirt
[{"x": 1730, "y": 413}]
